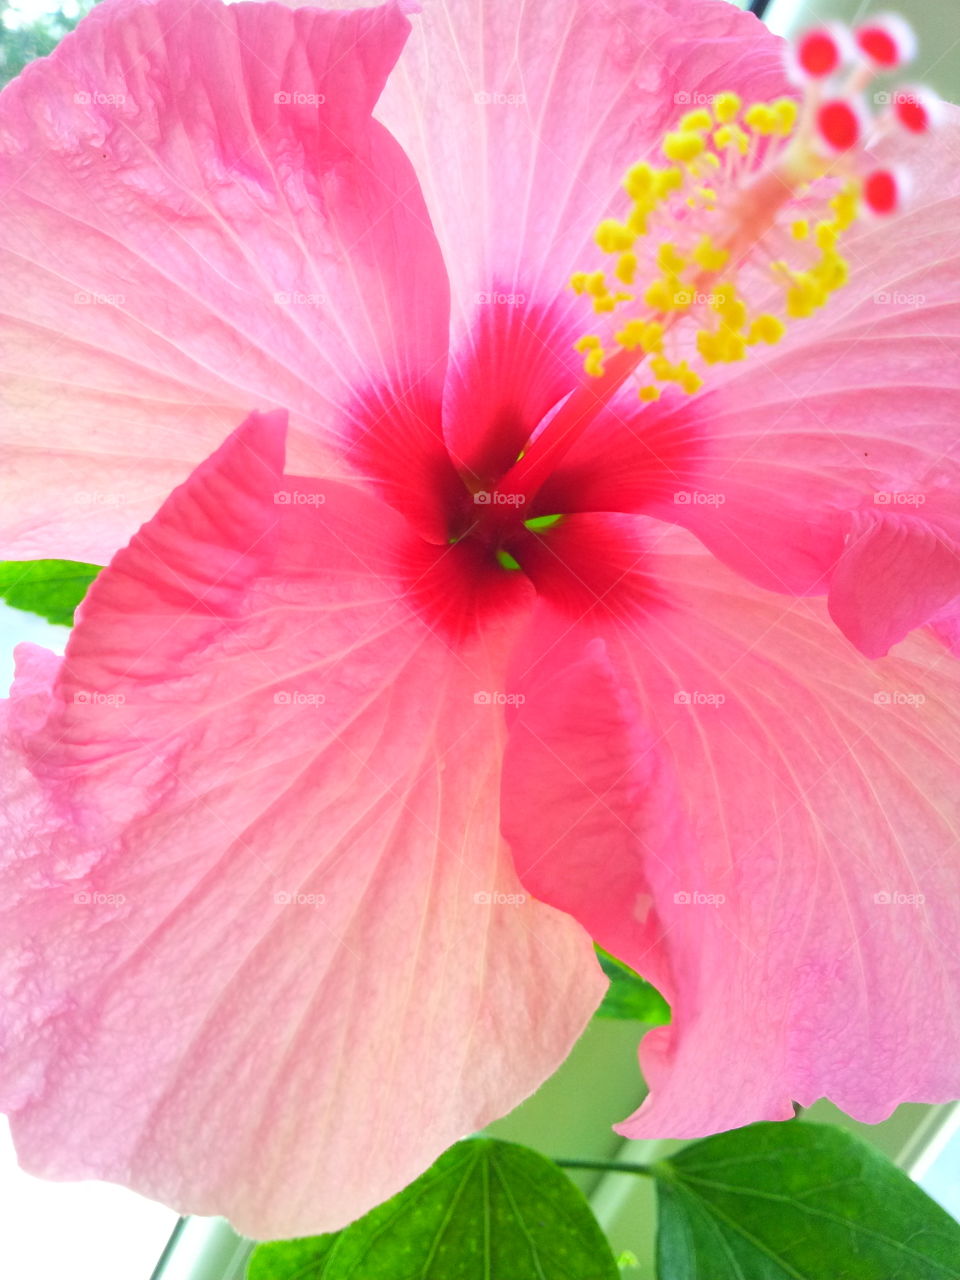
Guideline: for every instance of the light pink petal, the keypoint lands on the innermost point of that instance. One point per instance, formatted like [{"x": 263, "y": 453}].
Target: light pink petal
[
  {"x": 896, "y": 573},
  {"x": 200, "y": 217},
  {"x": 521, "y": 120},
  {"x": 805, "y": 888},
  {"x": 270, "y": 955},
  {"x": 856, "y": 409}
]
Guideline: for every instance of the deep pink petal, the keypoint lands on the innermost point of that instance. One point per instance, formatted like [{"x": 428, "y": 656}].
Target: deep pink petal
[
  {"x": 199, "y": 217},
  {"x": 578, "y": 776},
  {"x": 268, "y": 957},
  {"x": 801, "y": 895}
]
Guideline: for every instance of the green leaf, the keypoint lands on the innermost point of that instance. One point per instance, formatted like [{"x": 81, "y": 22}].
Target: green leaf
[
  {"x": 487, "y": 1210},
  {"x": 629, "y": 995},
  {"x": 51, "y": 588},
  {"x": 797, "y": 1201},
  {"x": 304, "y": 1259}
]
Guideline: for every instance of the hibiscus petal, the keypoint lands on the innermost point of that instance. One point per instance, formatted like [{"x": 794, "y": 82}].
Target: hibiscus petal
[
  {"x": 897, "y": 573},
  {"x": 200, "y": 216},
  {"x": 521, "y": 120},
  {"x": 270, "y": 954},
  {"x": 808, "y": 896}
]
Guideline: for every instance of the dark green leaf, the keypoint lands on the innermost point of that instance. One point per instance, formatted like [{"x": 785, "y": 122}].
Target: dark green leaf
[
  {"x": 629, "y": 995},
  {"x": 51, "y": 588},
  {"x": 797, "y": 1201},
  {"x": 487, "y": 1210}
]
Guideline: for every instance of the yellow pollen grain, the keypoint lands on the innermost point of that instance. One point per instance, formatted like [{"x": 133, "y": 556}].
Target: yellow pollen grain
[
  {"x": 846, "y": 206},
  {"x": 708, "y": 256},
  {"x": 785, "y": 112},
  {"x": 650, "y": 393},
  {"x": 578, "y": 282},
  {"x": 826, "y": 234},
  {"x": 800, "y": 230},
  {"x": 766, "y": 328},
  {"x": 640, "y": 180},
  {"x": 593, "y": 364},
  {"x": 698, "y": 121},
  {"x": 761, "y": 118},
  {"x": 669, "y": 259},
  {"x": 613, "y": 237},
  {"x": 683, "y": 147},
  {"x": 626, "y": 267},
  {"x": 726, "y": 107},
  {"x": 588, "y": 342},
  {"x": 731, "y": 135}
]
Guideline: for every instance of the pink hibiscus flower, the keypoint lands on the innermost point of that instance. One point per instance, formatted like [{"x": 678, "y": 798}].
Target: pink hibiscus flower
[{"x": 376, "y": 723}]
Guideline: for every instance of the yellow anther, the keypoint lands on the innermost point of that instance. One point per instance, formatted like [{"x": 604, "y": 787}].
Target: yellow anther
[
  {"x": 805, "y": 295},
  {"x": 652, "y": 340},
  {"x": 606, "y": 303},
  {"x": 826, "y": 234},
  {"x": 731, "y": 135},
  {"x": 659, "y": 295},
  {"x": 698, "y": 121},
  {"x": 709, "y": 158},
  {"x": 668, "y": 180},
  {"x": 832, "y": 271},
  {"x": 845, "y": 206},
  {"x": 626, "y": 267},
  {"x": 708, "y": 193},
  {"x": 761, "y": 119},
  {"x": 613, "y": 236},
  {"x": 726, "y": 107},
  {"x": 593, "y": 364},
  {"x": 637, "y": 222},
  {"x": 588, "y": 342},
  {"x": 669, "y": 260},
  {"x": 640, "y": 333},
  {"x": 683, "y": 147},
  {"x": 722, "y": 345},
  {"x": 785, "y": 112},
  {"x": 688, "y": 379},
  {"x": 800, "y": 229},
  {"x": 766, "y": 328},
  {"x": 578, "y": 282},
  {"x": 650, "y": 393},
  {"x": 728, "y": 306},
  {"x": 596, "y": 285},
  {"x": 640, "y": 180},
  {"x": 708, "y": 256}
]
